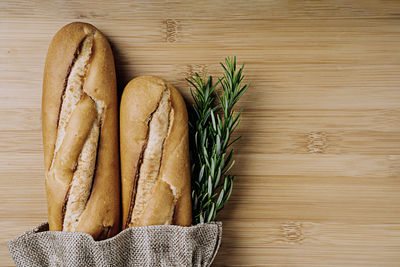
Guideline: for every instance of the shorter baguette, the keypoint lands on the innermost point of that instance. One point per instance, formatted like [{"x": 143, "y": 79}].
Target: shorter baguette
[{"x": 155, "y": 167}]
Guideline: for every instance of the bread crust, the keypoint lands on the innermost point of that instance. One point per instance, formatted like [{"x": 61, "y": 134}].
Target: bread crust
[
  {"x": 168, "y": 201},
  {"x": 101, "y": 214}
]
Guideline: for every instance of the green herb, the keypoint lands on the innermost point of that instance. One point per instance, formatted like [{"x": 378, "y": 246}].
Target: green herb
[{"x": 212, "y": 123}]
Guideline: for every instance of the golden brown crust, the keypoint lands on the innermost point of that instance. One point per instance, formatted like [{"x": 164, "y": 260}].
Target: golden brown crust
[
  {"x": 100, "y": 217},
  {"x": 171, "y": 191}
]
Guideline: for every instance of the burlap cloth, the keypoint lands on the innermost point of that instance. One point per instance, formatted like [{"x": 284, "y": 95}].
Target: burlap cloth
[{"x": 161, "y": 245}]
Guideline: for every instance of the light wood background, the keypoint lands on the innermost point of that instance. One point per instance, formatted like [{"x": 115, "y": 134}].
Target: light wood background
[{"x": 318, "y": 168}]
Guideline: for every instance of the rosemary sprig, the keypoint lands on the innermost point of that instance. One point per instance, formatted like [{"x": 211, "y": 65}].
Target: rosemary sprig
[{"x": 212, "y": 123}]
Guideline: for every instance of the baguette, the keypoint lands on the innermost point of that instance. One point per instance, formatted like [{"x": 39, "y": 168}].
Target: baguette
[
  {"x": 155, "y": 167},
  {"x": 80, "y": 133}
]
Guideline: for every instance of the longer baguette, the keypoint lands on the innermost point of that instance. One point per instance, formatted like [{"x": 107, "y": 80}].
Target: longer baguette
[
  {"x": 80, "y": 133},
  {"x": 155, "y": 167}
]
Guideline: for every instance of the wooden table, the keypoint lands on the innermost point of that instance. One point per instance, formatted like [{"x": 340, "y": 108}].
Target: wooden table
[{"x": 318, "y": 168}]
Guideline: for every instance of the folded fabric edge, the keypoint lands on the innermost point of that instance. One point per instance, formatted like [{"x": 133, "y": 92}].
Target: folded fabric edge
[
  {"x": 218, "y": 243},
  {"x": 43, "y": 227}
]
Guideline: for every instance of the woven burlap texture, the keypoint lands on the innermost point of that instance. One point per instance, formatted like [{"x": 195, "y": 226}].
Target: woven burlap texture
[{"x": 161, "y": 245}]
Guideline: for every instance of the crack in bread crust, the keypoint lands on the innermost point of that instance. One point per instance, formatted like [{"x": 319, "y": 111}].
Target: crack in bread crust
[
  {"x": 136, "y": 178},
  {"x": 97, "y": 148},
  {"x": 73, "y": 91},
  {"x": 152, "y": 156},
  {"x": 139, "y": 165},
  {"x": 76, "y": 54},
  {"x": 82, "y": 180},
  {"x": 175, "y": 192}
]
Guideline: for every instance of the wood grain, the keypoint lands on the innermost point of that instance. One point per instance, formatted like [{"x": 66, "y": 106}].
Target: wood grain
[{"x": 318, "y": 168}]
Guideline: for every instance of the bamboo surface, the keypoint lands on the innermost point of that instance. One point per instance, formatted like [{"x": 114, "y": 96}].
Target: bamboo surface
[{"x": 318, "y": 167}]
